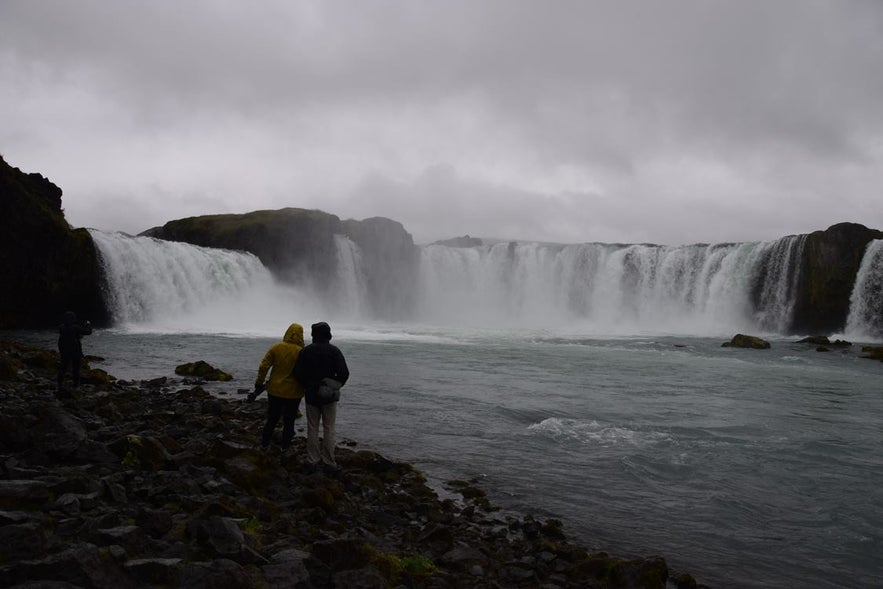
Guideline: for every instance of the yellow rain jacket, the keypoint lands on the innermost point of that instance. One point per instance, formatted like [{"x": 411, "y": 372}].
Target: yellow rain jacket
[{"x": 281, "y": 358}]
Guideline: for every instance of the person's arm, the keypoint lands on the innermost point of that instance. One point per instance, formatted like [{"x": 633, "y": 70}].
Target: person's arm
[
  {"x": 341, "y": 371},
  {"x": 266, "y": 363}
]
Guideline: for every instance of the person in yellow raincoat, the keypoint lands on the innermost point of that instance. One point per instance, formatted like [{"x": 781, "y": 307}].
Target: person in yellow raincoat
[{"x": 283, "y": 391}]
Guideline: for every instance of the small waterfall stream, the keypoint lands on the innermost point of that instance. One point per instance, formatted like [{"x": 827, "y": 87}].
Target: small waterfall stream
[{"x": 865, "y": 313}]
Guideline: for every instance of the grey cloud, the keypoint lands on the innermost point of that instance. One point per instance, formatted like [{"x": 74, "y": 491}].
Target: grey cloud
[{"x": 318, "y": 101}]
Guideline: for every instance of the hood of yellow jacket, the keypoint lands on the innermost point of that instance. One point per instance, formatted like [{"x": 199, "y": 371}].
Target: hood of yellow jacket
[{"x": 294, "y": 335}]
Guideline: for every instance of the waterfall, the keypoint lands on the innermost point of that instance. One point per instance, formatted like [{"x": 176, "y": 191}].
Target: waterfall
[
  {"x": 865, "y": 310},
  {"x": 700, "y": 289},
  {"x": 350, "y": 289},
  {"x": 146, "y": 277},
  {"x": 614, "y": 288},
  {"x": 151, "y": 284}
]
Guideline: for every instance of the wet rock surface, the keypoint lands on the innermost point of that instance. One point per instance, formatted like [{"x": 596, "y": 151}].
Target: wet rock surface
[
  {"x": 741, "y": 340},
  {"x": 148, "y": 485}
]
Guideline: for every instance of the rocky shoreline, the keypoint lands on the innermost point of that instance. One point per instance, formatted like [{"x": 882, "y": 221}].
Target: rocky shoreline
[{"x": 159, "y": 484}]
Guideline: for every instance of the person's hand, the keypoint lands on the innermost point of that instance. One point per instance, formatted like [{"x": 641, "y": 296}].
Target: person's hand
[{"x": 250, "y": 398}]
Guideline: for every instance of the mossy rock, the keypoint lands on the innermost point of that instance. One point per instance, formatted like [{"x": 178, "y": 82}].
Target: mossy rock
[
  {"x": 553, "y": 528},
  {"x": 204, "y": 370},
  {"x": 645, "y": 573},
  {"x": 98, "y": 377},
  {"x": 139, "y": 452},
  {"x": 42, "y": 360},
  {"x": 747, "y": 341},
  {"x": 685, "y": 581},
  {"x": 873, "y": 352},
  {"x": 822, "y": 340}
]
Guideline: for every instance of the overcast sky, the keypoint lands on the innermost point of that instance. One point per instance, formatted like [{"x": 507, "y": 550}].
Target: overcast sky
[{"x": 620, "y": 121}]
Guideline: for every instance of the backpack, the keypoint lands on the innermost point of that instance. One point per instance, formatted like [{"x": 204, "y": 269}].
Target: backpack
[{"x": 328, "y": 391}]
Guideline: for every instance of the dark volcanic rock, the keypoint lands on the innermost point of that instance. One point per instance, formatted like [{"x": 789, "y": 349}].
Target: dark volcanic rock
[
  {"x": 47, "y": 267},
  {"x": 828, "y": 268},
  {"x": 747, "y": 341},
  {"x": 202, "y": 369},
  {"x": 464, "y": 241},
  {"x": 290, "y": 242},
  {"x": 389, "y": 259}
]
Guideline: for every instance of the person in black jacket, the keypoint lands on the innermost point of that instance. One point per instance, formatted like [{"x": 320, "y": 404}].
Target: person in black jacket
[
  {"x": 70, "y": 349},
  {"x": 315, "y": 365}
]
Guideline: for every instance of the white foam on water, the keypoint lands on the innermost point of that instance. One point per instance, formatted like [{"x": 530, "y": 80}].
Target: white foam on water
[{"x": 594, "y": 433}]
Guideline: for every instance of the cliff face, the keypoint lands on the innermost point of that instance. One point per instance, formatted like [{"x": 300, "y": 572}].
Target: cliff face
[
  {"x": 290, "y": 242},
  {"x": 390, "y": 259},
  {"x": 828, "y": 268},
  {"x": 298, "y": 246},
  {"x": 47, "y": 267}
]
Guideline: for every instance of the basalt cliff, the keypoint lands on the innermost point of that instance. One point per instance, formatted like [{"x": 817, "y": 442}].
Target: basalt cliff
[{"x": 47, "y": 267}]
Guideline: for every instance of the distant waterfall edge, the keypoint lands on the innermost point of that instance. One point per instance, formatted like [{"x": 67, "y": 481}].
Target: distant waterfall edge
[
  {"x": 703, "y": 290},
  {"x": 695, "y": 289}
]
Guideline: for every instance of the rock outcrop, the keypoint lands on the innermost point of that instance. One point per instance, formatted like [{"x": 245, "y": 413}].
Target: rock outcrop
[
  {"x": 47, "y": 267},
  {"x": 202, "y": 369},
  {"x": 747, "y": 341},
  {"x": 828, "y": 268},
  {"x": 162, "y": 485}
]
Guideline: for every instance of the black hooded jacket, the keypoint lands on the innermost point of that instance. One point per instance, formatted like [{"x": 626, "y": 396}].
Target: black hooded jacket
[{"x": 319, "y": 360}]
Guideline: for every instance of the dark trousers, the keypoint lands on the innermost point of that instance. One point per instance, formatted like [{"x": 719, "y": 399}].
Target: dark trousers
[
  {"x": 286, "y": 409},
  {"x": 72, "y": 360}
]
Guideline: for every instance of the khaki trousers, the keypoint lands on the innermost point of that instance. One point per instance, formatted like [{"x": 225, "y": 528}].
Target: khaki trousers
[{"x": 327, "y": 414}]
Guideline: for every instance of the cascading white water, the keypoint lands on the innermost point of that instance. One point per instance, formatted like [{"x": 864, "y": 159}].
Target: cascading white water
[
  {"x": 596, "y": 288},
  {"x": 147, "y": 278},
  {"x": 865, "y": 313},
  {"x": 152, "y": 284},
  {"x": 615, "y": 289},
  {"x": 350, "y": 290}
]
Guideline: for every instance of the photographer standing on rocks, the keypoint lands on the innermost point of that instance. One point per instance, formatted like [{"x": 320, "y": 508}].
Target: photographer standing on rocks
[
  {"x": 70, "y": 348},
  {"x": 322, "y": 370},
  {"x": 283, "y": 391}
]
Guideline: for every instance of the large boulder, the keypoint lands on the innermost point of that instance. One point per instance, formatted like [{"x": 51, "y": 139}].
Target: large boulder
[
  {"x": 202, "y": 369},
  {"x": 47, "y": 267},
  {"x": 741, "y": 340}
]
